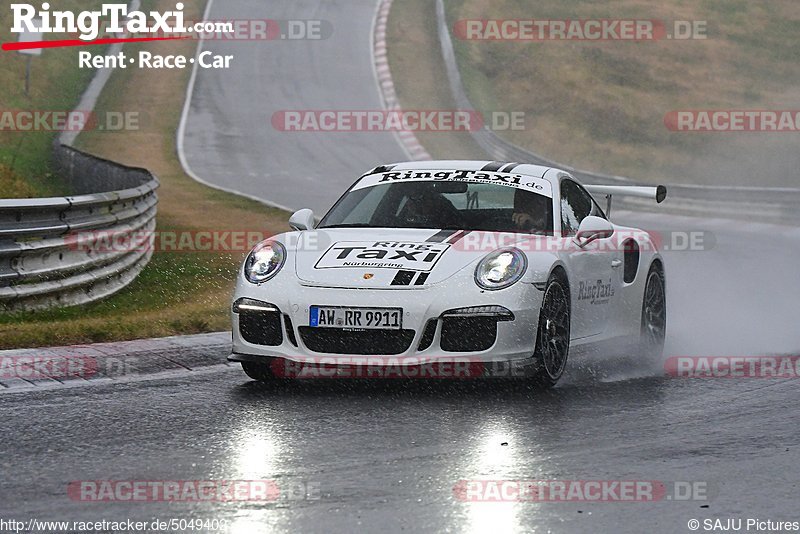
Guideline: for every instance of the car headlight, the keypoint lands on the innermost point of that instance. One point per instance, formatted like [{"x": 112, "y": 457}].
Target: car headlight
[
  {"x": 501, "y": 269},
  {"x": 264, "y": 261}
]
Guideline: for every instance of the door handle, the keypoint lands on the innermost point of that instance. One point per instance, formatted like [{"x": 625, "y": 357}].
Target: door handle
[{"x": 616, "y": 263}]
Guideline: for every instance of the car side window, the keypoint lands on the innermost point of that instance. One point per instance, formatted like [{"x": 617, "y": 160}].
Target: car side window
[{"x": 576, "y": 205}]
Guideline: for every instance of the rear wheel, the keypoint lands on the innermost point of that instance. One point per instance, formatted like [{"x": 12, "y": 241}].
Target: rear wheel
[
  {"x": 552, "y": 336},
  {"x": 654, "y": 315},
  {"x": 258, "y": 371}
]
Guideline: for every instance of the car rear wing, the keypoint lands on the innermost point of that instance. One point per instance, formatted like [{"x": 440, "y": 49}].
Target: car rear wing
[{"x": 657, "y": 193}]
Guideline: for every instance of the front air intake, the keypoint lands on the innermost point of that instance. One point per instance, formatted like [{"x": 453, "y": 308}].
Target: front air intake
[{"x": 259, "y": 322}]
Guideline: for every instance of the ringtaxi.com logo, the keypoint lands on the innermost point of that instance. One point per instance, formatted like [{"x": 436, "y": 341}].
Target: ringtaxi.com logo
[{"x": 114, "y": 18}]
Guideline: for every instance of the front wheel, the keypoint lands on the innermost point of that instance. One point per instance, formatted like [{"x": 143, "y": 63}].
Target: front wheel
[
  {"x": 654, "y": 316},
  {"x": 552, "y": 336},
  {"x": 258, "y": 371}
]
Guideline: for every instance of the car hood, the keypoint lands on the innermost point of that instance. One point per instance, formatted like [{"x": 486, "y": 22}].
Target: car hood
[{"x": 374, "y": 258}]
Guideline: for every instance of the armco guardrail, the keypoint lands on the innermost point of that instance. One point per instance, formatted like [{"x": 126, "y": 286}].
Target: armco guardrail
[
  {"x": 773, "y": 204},
  {"x": 54, "y": 251}
]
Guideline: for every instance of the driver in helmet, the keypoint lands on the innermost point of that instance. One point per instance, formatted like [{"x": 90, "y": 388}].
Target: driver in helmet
[{"x": 532, "y": 212}]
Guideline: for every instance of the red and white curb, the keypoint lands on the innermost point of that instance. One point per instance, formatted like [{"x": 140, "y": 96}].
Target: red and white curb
[
  {"x": 406, "y": 138},
  {"x": 123, "y": 361}
]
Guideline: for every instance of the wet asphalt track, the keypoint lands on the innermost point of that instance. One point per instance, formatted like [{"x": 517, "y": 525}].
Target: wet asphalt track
[
  {"x": 385, "y": 456},
  {"x": 230, "y": 140}
]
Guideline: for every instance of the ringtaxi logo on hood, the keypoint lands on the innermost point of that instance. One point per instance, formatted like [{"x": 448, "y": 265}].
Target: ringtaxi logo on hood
[
  {"x": 408, "y": 256},
  {"x": 115, "y": 18}
]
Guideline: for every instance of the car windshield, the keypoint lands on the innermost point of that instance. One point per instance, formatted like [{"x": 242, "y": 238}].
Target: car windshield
[{"x": 459, "y": 205}]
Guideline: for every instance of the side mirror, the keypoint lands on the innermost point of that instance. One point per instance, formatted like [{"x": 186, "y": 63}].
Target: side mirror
[
  {"x": 593, "y": 228},
  {"x": 302, "y": 220}
]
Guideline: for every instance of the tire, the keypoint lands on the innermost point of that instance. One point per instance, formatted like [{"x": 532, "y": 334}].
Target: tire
[
  {"x": 258, "y": 371},
  {"x": 552, "y": 336},
  {"x": 654, "y": 316}
]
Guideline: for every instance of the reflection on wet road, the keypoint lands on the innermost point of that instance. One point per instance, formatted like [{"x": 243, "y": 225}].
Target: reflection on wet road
[{"x": 387, "y": 455}]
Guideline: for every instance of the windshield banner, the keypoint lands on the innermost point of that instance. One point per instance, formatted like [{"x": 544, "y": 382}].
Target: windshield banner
[{"x": 517, "y": 181}]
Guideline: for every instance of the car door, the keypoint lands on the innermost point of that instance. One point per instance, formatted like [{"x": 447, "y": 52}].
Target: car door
[{"x": 593, "y": 270}]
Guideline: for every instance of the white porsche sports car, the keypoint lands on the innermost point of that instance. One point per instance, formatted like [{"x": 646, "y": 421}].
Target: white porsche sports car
[{"x": 479, "y": 261}]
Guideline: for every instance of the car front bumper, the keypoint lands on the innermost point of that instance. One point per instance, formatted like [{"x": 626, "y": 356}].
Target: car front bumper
[{"x": 432, "y": 332}]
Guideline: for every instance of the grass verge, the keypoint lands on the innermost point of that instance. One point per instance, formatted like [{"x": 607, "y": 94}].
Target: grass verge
[
  {"x": 56, "y": 86},
  {"x": 601, "y": 105},
  {"x": 419, "y": 75}
]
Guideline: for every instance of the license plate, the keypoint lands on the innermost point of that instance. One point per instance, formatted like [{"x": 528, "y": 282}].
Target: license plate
[{"x": 361, "y": 318}]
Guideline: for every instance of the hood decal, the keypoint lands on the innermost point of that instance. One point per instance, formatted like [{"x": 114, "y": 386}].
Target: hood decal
[
  {"x": 403, "y": 255},
  {"x": 403, "y": 278},
  {"x": 440, "y": 236},
  {"x": 458, "y": 236},
  {"x": 382, "y": 253}
]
